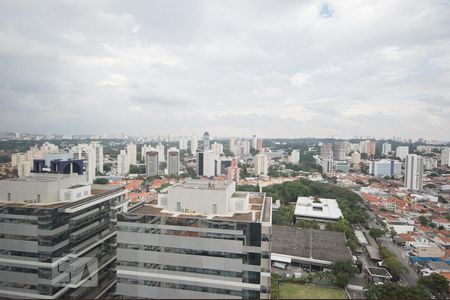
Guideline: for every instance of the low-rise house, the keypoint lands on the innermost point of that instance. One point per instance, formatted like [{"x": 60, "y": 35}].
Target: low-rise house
[
  {"x": 427, "y": 250},
  {"x": 442, "y": 222}
]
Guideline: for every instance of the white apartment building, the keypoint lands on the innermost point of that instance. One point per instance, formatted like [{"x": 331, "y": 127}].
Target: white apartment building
[
  {"x": 206, "y": 163},
  {"x": 160, "y": 148},
  {"x": 261, "y": 162},
  {"x": 202, "y": 240},
  {"x": 23, "y": 162},
  {"x": 414, "y": 172},
  {"x": 356, "y": 158},
  {"x": 123, "y": 163},
  {"x": 183, "y": 143},
  {"x": 217, "y": 148},
  {"x": 132, "y": 153},
  {"x": 386, "y": 148},
  {"x": 98, "y": 156},
  {"x": 445, "y": 157},
  {"x": 401, "y": 152},
  {"x": 385, "y": 167},
  {"x": 430, "y": 163},
  {"x": 194, "y": 144},
  {"x": 88, "y": 153},
  {"x": 294, "y": 158}
]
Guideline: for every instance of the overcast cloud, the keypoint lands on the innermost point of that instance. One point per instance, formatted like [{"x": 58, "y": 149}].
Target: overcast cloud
[{"x": 272, "y": 68}]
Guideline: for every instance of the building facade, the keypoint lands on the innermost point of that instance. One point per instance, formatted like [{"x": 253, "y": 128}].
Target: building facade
[
  {"x": 414, "y": 172},
  {"x": 173, "y": 161},
  {"x": 151, "y": 163}
]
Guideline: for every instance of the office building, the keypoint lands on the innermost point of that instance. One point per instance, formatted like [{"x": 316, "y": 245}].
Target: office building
[
  {"x": 151, "y": 163},
  {"x": 414, "y": 172},
  {"x": 132, "y": 153},
  {"x": 385, "y": 167},
  {"x": 326, "y": 151},
  {"x": 222, "y": 164},
  {"x": 206, "y": 163},
  {"x": 206, "y": 141},
  {"x": 386, "y": 148},
  {"x": 173, "y": 161},
  {"x": 340, "y": 151},
  {"x": 401, "y": 152},
  {"x": 294, "y": 158},
  {"x": 194, "y": 144},
  {"x": 58, "y": 233},
  {"x": 261, "y": 162},
  {"x": 356, "y": 157},
  {"x": 123, "y": 163},
  {"x": 445, "y": 157},
  {"x": 203, "y": 240}
]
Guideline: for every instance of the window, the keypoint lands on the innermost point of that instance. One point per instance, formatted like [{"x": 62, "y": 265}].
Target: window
[
  {"x": 9, "y": 196},
  {"x": 240, "y": 205},
  {"x": 178, "y": 206},
  {"x": 39, "y": 197},
  {"x": 214, "y": 208}
]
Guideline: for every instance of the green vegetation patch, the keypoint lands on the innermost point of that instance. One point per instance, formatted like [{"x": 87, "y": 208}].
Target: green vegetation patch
[{"x": 307, "y": 291}]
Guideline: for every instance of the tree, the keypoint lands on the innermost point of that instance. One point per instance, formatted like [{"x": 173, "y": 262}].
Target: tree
[
  {"x": 395, "y": 291},
  {"x": 343, "y": 267},
  {"x": 342, "y": 280},
  {"x": 424, "y": 221},
  {"x": 107, "y": 167},
  {"x": 436, "y": 284},
  {"x": 376, "y": 233},
  {"x": 101, "y": 181}
]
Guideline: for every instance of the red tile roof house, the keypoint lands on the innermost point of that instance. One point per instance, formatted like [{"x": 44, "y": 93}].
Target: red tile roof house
[
  {"x": 442, "y": 241},
  {"x": 442, "y": 222}
]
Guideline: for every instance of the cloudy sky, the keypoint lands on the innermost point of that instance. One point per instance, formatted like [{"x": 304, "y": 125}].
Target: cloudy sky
[{"x": 272, "y": 68}]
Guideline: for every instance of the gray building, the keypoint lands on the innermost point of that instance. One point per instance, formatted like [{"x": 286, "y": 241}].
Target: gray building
[
  {"x": 151, "y": 163},
  {"x": 57, "y": 235},
  {"x": 202, "y": 240}
]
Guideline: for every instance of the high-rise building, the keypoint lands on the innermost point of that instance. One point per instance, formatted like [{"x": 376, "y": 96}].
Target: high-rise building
[
  {"x": 370, "y": 148},
  {"x": 261, "y": 162},
  {"x": 98, "y": 156},
  {"x": 414, "y": 172},
  {"x": 203, "y": 240},
  {"x": 294, "y": 158},
  {"x": 385, "y": 167},
  {"x": 260, "y": 145},
  {"x": 386, "y": 148},
  {"x": 88, "y": 153},
  {"x": 429, "y": 163},
  {"x": 132, "y": 153},
  {"x": 445, "y": 157},
  {"x": 217, "y": 148},
  {"x": 194, "y": 144},
  {"x": 58, "y": 233},
  {"x": 151, "y": 163},
  {"x": 254, "y": 142},
  {"x": 206, "y": 163},
  {"x": 173, "y": 161},
  {"x": 401, "y": 152},
  {"x": 123, "y": 163},
  {"x": 206, "y": 141},
  {"x": 340, "y": 150},
  {"x": 161, "y": 154},
  {"x": 183, "y": 143},
  {"x": 233, "y": 171},
  {"x": 23, "y": 162},
  {"x": 326, "y": 151},
  {"x": 233, "y": 145},
  {"x": 327, "y": 166},
  {"x": 144, "y": 150},
  {"x": 356, "y": 157}
]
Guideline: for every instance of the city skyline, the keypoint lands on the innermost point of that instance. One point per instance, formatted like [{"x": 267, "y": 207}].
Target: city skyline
[{"x": 290, "y": 69}]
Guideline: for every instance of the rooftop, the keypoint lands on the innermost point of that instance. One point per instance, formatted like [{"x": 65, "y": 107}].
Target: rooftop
[
  {"x": 206, "y": 184},
  {"x": 310, "y": 243},
  {"x": 322, "y": 208}
]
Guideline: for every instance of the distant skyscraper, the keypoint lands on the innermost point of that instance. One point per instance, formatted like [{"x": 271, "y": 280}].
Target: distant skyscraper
[
  {"x": 206, "y": 163},
  {"x": 173, "y": 161},
  {"x": 88, "y": 153},
  {"x": 194, "y": 144},
  {"x": 160, "y": 149},
  {"x": 217, "y": 148},
  {"x": 340, "y": 150},
  {"x": 183, "y": 143},
  {"x": 233, "y": 145},
  {"x": 401, "y": 152},
  {"x": 260, "y": 145},
  {"x": 206, "y": 141},
  {"x": 326, "y": 151},
  {"x": 294, "y": 157},
  {"x": 261, "y": 162},
  {"x": 151, "y": 163},
  {"x": 233, "y": 171},
  {"x": 356, "y": 157},
  {"x": 386, "y": 148},
  {"x": 98, "y": 156},
  {"x": 414, "y": 172},
  {"x": 254, "y": 142},
  {"x": 132, "y": 153},
  {"x": 445, "y": 157},
  {"x": 123, "y": 163}
]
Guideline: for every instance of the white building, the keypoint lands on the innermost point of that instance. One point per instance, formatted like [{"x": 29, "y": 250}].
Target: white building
[
  {"x": 386, "y": 148},
  {"x": 88, "y": 153},
  {"x": 261, "y": 162},
  {"x": 98, "y": 156},
  {"x": 144, "y": 150},
  {"x": 320, "y": 209},
  {"x": 132, "y": 153},
  {"x": 123, "y": 163},
  {"x": 254, "y": 142},
  {"x": 183, "y": 143},
  {"x": 173, "y": 161},
  {"x": 23, "y": 162},
  {"x": 294, "y": 158},
  {"x": 206, "y": 163},
  {"x": 414, "y": 172},
  {"x": 194, "y": 144},
  {"x": 430, "y": 163},
  {"x": 445, "y": 157},
  {"x": 401, "y": 152},
  {"x": 356, "y": 157},
  {"x": 204, "y": 240},
  {"x": 217, "y": 148},
  {"x": 160, "y": 148},
  {"x": 233, "y": 145},
  {"x": 385, "y": 167}
]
